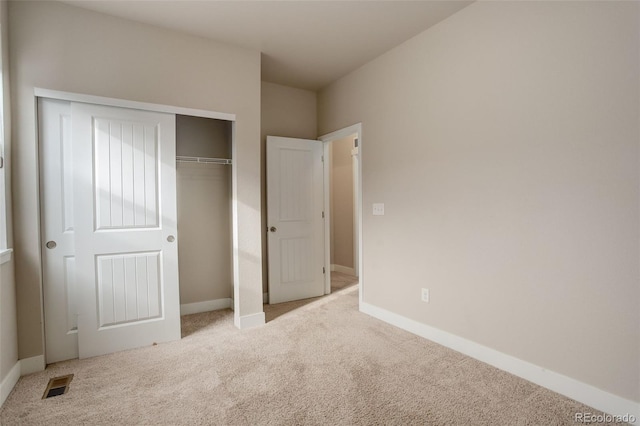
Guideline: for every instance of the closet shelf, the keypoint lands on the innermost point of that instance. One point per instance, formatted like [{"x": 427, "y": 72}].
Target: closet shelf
[{"x": 207, "y": 160}]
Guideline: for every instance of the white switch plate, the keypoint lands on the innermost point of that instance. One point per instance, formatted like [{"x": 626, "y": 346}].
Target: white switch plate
[
  {"x": 378, "y": 209},
  {"x": 425, "y": 295}
]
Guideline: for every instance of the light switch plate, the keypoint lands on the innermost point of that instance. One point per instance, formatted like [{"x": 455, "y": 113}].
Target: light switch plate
[{"x": 378, "y": 209}]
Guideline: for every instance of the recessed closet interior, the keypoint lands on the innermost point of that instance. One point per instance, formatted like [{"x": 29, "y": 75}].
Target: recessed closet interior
[{"x": 203, "y": 182}]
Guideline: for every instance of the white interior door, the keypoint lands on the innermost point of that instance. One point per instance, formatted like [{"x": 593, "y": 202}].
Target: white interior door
[
  {"x": 125, "y": 228},
  {"x": 58, "y": 252},
  {"x": 295, "y": 219}
]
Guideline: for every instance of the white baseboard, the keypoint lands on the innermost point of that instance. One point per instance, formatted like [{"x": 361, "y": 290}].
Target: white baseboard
[
  {"x": 574, "y": 389},
  {"x": 249, "y": 321},
  {"x": 32, "y": 365},
  {"x": 206, "y": 306},
  {"x": 7, "y": 385},
  {"x": 343, "y": 269}
]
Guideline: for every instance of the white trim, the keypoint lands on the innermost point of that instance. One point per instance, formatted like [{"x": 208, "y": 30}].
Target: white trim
[
  {"x": 32, "y": 365},
  {"x": 205, "y": 306},
  {"x": 249, "y": 321},
  {"x": 355, "y": 166},
  {"x": 121, "y": 103},
  {"x": 326, "y": 171},
  {"x": 9, "y": 382},
  {"x": 235, "y": 240},
  {"x": 5, "y": 256},
  {"x": 572, "y": 388},
  {"x": 343, "y": 269},
  {"x": 338, "y": 134}
]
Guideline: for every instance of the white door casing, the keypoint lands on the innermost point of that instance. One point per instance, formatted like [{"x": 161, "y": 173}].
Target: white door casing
[
  {"x": 57, "y": 237},
  {"x": 295, "y": 219},
  {"x": 327, "y": 139},
  {"x": 355, "y": 166},
  {"x": 125, "y": 228}
]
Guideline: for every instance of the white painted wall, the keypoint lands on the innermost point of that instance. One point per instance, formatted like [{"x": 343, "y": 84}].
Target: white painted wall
[
  {"x": 61, "y": 47},
  {"x": 504, "y": 143}
]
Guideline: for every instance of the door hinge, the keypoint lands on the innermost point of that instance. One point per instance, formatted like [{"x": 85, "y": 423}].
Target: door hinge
[
  {"x": 322, "y": 158},
  {"x": 323, "y": 270},
  {"x": 323, "y": 214},
  {"x": 1, "y": 162}
]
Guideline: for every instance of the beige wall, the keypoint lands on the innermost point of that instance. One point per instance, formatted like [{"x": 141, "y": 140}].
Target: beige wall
[
  {"x": 61, "y": 47},
  {"x": 288, "y": 112},
  {"x": 504, "y": 143},
  {"x": 204, "y": 210},
  {"x": 8, "y": 316},
  {"x": 203, "y": 137},
  {"x": 342, "y": 202}
]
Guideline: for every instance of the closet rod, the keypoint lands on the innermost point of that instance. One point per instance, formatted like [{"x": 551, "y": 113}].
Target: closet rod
[{"x": 183, "y": 159}]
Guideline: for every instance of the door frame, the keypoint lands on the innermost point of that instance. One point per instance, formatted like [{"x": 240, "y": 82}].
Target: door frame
[
  {"x": 326, "y": 140},
  {"x": 122, "y": 103}
]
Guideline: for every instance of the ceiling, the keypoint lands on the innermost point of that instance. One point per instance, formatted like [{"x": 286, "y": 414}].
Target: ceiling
[{"x": 304, "y": 44}]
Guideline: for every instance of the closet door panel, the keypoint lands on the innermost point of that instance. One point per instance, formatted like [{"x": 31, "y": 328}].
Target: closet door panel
[
  {"x": 125, "y": 210},
  {"x": 126, "y": 158},
  {"x": 124, "y": 295},
  {"x": 57, "y": 230},
  {"x": 128, "y": 166}
]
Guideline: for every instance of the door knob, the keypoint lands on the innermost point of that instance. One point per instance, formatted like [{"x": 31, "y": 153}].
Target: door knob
[
  {"x": 51, "y": 244},
  {"x": 171, "y": 238},
  {"x": 273, "y": 229}
]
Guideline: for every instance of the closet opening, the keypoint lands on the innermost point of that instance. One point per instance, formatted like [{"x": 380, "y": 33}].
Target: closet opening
[
  {"x": 204, "y": 207},
  {"x": 137, "y": 221}
]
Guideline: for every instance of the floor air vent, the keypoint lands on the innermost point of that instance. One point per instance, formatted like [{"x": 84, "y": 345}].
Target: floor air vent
[{"x": 57, "y": 386}]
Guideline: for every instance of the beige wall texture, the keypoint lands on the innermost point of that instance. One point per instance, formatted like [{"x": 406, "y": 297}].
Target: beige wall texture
[
  {"x": 504, "y": 143},
  {"x": 288, "y": 112},
  {"x": 8, "y": 316},
  {"x": 203, "y": 137},
  {"x": 61, "y": 47},
  {"x": 342, "y": 203},
  {"x": 204, "y": 210}
]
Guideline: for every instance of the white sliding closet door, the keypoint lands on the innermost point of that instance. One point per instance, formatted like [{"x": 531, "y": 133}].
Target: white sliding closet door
[
  {"x": 58, "y": 252},
  {"x": 125, "y": 228}
]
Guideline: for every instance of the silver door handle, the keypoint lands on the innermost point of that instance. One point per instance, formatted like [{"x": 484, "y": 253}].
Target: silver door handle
[
  {"x": 51, "y": 244},
  {"x": 273, "y": 229},
  {"x": 171, "y": 238}
]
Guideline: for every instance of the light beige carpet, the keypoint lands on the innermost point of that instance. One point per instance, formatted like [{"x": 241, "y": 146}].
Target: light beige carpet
[
  {"x": 317, "y": 362},
  {"x": 340, "y": 281}
]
